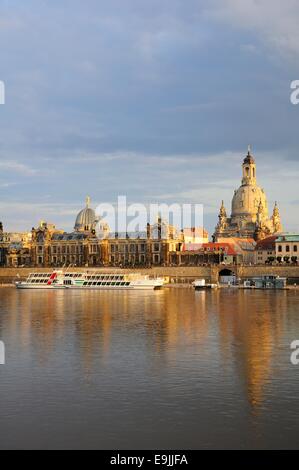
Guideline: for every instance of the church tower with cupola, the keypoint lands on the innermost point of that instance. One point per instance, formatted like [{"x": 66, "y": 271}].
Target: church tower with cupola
[{"x": 249, "y": 215}]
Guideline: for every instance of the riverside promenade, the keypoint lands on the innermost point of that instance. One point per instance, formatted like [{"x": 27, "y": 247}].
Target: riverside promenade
[{"x": 176, "y": 274}]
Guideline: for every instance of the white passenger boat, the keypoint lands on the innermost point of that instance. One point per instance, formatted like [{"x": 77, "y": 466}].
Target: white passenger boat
[{"x": 89, "y": 280}]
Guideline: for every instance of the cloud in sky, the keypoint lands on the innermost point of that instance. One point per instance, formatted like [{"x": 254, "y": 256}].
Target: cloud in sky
[
  {"x": 16, "y": 167},
  {"x": 144, "y": 98},
  {"x": 275, "y": 22}
]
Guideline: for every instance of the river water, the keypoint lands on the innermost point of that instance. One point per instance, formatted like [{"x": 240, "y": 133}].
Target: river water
[{"x": 164, "y": 369}]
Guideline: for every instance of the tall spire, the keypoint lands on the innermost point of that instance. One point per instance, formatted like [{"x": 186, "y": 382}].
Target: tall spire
[
  {"x": 222, "y": 222},
  {"x": 276, "y": 221},
  {"x": 260, "y": 214},
  {"x": 222, "y": 217},
  {"x": 276, "y": 210},
  {"x": 88, "y": 202},
  {"x": 222, "y": 212}
]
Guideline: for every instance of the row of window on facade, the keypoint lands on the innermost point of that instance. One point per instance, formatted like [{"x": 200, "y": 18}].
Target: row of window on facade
[
  {"x": 66, "y": 249},
  {"x": 117, "y": 256},
  {"x": 140, "y": 259},
  {"x": 114, "y": 248},
  {"x": 288, "y": 249},
  {"x": 132, "y": 248}
]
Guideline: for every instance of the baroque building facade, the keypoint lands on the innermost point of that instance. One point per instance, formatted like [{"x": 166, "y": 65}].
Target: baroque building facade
[
  {"x": 91, "y": 244},
  {"x": 250, "y": 214},
  {"x": 14, "y": 248}
]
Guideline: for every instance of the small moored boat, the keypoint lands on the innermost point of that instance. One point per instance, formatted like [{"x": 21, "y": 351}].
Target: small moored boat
[
  {"x": 200, "y": 284},
  {"x": 265, "y": 282}
]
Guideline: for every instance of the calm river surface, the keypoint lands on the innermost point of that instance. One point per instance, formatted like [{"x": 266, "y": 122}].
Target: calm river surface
[{"x": 165, "y": 369}]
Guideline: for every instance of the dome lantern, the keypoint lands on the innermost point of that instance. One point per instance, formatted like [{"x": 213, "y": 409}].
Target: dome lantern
[{"x": 249, "y": 169}]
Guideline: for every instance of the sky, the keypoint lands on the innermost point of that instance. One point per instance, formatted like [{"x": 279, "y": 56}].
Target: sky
[{"x": 155, "y": 100}]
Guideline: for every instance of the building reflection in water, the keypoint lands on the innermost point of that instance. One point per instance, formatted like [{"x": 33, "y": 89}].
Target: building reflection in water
[
  {"x": 243, "y": 327},
  {"x": 253, "y": 323}
]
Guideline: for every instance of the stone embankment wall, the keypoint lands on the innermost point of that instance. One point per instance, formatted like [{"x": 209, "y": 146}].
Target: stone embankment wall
[
  {"x": 291, "y": 272},
  {"x": 175, "y": 274},
  {"x": 9, "y": 275}
]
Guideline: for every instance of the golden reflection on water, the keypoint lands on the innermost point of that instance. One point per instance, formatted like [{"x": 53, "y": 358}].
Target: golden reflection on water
[
  {"x": 254, "y": 322},
  {"x": 245, "y": 326}
]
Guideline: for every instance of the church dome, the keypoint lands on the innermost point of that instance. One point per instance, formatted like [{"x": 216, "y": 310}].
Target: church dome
[
  {"x": 249, "y": 197},
  {"x": 246, "y": 202},
  {"x": 250, "y": 215},
  {"x": 86, "y": 218}
]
